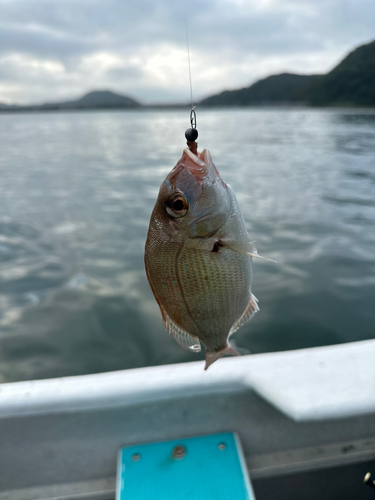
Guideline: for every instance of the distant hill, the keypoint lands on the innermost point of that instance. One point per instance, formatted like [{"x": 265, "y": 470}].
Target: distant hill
[
  {"x": 7, "y": 106},
  {"x": 351, "y": 83},
  {"x": 275, "y": 89},
  {"x": 98, "y": 99}
]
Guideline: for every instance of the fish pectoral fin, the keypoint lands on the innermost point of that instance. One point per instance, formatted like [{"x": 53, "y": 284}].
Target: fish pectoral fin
[
  {"x": 201, "y": 244},
  {"x": 244, "y": 248},
  {"x": 211, "y": 357},
  {"x": 184, "y": 339},
  {"x": 251, "y": 308},
  {"x": 213, "y": 244}
]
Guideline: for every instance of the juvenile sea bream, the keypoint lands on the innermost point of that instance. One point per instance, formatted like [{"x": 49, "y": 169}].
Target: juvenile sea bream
[{"x": 198, "y": 257}]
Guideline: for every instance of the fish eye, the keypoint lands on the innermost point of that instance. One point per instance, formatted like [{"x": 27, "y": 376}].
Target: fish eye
[{"x": 177, "y": 206}]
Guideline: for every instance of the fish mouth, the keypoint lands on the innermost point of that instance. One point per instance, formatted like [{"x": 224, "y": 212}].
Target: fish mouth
[
  {"x": 192, "y": 173},
  {"x": 201, "y": 159},
  {"x": 200, "y": 166},
  {"x": 197, "y": 165}
]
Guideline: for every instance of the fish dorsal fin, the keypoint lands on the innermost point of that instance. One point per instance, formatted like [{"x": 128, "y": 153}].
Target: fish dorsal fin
[
  {"x": 184, "y": 339},
  {"x": 251, "y": 309}
]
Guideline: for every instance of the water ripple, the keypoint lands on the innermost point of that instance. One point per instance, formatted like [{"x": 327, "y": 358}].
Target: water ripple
[{"x": 77, "y": 193}]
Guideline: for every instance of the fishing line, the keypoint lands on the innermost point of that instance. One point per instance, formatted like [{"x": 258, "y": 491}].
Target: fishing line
[
  {"x": 191, "y": 134},
  {"x": 188, "y": 54}
]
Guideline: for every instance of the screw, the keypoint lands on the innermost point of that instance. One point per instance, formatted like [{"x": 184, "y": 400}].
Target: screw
[
  {"x": 136, "y": 457},
  {"x": 179, "y": 452},
  {"x": 368, "y": 480},
  {"x": 222, "y": 446}
]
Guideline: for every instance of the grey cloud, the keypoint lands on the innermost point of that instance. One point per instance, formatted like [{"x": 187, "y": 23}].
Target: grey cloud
[
  {"x": 222, "y": 33},
  {"x": 42, "y": 44},
  {"x": 126, "y": 73},
  {"x": 116, "y": 24}
]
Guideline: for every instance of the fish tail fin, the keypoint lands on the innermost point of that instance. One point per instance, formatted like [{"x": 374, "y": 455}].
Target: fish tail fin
[{"x": 211, "y": 357}]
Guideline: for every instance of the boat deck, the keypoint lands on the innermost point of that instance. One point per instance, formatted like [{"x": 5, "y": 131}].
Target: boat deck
[{"x": 306, "y": 420}]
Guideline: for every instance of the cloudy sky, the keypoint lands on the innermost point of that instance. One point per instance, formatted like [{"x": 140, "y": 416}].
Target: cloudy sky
[{"x": 53, "y": 50}]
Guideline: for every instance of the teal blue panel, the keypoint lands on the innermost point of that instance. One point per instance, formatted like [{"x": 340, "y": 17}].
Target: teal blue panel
[{"x": 208, "y": 467}]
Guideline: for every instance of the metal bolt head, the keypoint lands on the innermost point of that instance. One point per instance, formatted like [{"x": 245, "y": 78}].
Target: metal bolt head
[
  {"x": 369, "y": 480},
  {"x": 179, "y": 452},
  {"x": 136, "y": 457},
  {"x": 222, "y": 446}
]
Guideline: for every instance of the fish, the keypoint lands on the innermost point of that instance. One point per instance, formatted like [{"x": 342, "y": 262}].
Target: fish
[{"x": 198, "y": 257}]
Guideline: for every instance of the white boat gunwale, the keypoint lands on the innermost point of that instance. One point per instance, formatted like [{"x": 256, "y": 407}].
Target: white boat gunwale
[{"x": 294, "y": 410}]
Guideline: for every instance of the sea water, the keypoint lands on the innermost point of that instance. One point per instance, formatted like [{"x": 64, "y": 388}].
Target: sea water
[{"x": 76, "y": 194}]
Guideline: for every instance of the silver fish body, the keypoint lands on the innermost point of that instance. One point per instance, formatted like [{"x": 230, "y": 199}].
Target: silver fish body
[{"x": 198, "y": 257}]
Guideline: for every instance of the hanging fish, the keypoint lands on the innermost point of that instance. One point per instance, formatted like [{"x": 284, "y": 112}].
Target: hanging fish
[{"x": 198, "y": 257}]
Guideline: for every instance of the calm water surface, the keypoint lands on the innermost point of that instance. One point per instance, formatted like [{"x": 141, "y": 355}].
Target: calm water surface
[{"x": 76, "y": 194}]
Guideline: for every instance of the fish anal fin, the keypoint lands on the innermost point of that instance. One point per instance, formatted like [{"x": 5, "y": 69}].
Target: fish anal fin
[
  {"x": 251, "y": 308},
  {"x": 244, "y": 248},
  {"x": 211, "y": 357},
  {"x": 184, "y": 339}
]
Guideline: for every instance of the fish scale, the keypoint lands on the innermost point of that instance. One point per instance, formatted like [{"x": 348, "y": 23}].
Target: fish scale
[{"x": 218, "y": 301}]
